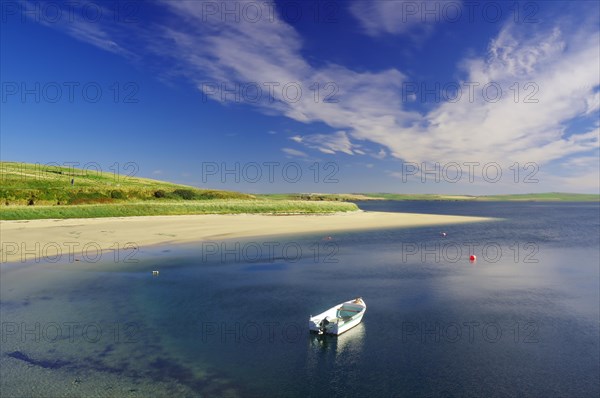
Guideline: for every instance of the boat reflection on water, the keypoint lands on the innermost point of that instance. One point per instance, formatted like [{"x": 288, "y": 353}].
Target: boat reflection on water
[
  {"x": 349, "y": 343},
  {"x": 328, "y": 355}
]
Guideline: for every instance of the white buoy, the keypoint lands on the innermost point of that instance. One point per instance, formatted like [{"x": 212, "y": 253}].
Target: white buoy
[{"x": 154, "y": 273}]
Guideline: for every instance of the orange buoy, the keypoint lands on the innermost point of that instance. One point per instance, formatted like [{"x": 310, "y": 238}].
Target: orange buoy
[{"x": 473, "y": 258}]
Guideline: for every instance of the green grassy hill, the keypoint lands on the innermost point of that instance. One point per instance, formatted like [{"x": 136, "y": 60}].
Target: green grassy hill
[
  {"x": 31, "y": 184},
  {"x": 32, "y": 191}
]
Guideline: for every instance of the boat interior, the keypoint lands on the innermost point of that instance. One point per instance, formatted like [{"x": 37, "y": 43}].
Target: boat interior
[{"x": 348, "y": 311}]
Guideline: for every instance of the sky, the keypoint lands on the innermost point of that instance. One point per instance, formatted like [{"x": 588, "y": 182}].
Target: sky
[{"x": 454, "y": 97}]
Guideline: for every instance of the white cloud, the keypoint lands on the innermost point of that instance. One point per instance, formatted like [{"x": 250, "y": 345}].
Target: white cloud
[
  {"x": 403, "y": 17},
  {"x": 294, "y": 152},
  {"x": 329, "y": 143},
  {"x": 593, "y": 103},
  {"x": 585, "y": 162}
]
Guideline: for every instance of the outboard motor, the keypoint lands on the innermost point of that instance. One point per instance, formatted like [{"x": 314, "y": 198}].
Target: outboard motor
[{"x": 323, "y": 325}]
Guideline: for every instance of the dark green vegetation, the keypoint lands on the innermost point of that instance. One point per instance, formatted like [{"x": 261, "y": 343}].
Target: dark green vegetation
[
  {"x": 332, "y": 197},
  {"x": 157, "y": 208}
]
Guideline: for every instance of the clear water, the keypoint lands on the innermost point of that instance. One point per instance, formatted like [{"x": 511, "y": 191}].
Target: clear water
[{"x": 522, "y": 320}]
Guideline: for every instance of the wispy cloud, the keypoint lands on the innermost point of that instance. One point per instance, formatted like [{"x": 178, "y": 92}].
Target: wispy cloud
[
  {"x": 329, "y": 143},
  {"x": 98, "y": 29},
  {"x": 294, "y": 152},
  {"x": 578, "y": 174},
  {"x": 399, "y": 17}
]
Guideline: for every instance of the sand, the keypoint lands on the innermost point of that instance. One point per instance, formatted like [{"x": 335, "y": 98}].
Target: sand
[{"x": 36, "y": 239}]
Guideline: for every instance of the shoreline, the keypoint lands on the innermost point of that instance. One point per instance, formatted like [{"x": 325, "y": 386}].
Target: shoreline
[{"x": 26, "y": 240}]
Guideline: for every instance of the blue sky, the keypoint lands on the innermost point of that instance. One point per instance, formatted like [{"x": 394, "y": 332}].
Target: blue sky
[{"x": 306, "y": 96}]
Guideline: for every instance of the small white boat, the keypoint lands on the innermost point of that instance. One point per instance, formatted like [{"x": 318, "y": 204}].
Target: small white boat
[{"x": 338, "y": 319}]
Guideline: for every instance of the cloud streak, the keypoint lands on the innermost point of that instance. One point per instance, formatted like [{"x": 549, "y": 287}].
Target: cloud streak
[{"x": 400, "y": 17}]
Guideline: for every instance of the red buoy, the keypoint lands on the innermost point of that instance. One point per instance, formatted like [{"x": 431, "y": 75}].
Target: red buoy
[{"x": 473, "y": 258}]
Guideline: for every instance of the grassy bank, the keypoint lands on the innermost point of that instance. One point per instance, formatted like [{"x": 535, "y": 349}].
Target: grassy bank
[{"x": 219, "y": 206}]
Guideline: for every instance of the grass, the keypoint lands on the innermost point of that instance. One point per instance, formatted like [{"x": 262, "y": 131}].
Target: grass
[
  {"x": 33, "y": 184},
  {"x": 31, "y": 191},
  {"x": 217, "y": 206}
]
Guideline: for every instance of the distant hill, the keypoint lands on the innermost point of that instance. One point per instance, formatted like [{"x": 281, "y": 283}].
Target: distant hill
[
  {"x": 546, "y": 197},
  {"x": 353, "y": 197}
]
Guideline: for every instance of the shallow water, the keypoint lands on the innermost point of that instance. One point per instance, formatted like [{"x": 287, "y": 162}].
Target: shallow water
[{"x": 230, "y": 319}]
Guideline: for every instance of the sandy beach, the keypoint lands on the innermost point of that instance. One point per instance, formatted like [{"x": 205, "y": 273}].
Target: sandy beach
[{"x": 29, "y": 240}]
